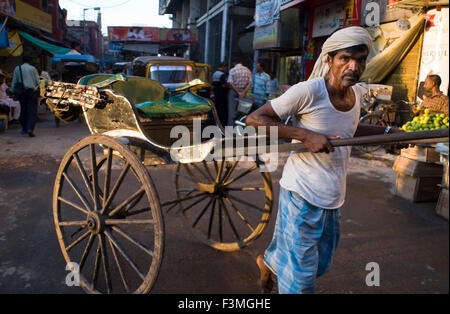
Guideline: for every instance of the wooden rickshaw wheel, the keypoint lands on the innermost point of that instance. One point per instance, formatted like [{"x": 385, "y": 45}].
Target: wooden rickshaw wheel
[
  {"x": 371, "y": 119},
  {"x": 226, "y": 204},
  {"x": 107, "y": 217}
]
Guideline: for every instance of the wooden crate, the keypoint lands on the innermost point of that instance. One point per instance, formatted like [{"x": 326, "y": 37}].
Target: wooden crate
[
  {"x": 421, "y": 153},
  {"x": 442, "y": 204},
  {"x": 417, "y": 189},
  {"x": 417, "y": 168}
]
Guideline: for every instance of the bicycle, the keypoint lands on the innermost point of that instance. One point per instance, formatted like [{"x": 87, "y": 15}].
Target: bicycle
[
  {"x": 375, "y": 113},
  {"x": 244, "y": 108}
]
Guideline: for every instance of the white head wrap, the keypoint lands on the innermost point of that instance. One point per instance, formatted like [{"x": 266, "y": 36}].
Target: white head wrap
[{"x": 343, "y": 38}]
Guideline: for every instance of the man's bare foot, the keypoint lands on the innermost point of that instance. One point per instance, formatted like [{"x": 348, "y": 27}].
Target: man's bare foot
[{"x": 265, "y": 279}]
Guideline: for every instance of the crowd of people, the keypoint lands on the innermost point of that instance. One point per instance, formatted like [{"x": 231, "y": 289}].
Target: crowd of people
[{"x": 239, "y": 82}]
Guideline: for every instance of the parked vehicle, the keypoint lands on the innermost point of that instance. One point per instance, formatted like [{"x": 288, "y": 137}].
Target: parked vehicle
[
  {"x": 122, "y": 67},
  {"x": 69, "y": 69},
  {"x": 174, "y": 72}
]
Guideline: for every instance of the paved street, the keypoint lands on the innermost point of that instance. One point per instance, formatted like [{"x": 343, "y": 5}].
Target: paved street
[{"x": 408, "y": 241}]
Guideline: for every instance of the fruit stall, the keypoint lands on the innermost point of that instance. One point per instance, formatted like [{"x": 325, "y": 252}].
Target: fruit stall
[{"x": 423, "y": 169}]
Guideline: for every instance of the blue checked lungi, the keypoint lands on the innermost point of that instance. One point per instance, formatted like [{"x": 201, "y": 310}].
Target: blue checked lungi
[{"x": 302, "y": 247}]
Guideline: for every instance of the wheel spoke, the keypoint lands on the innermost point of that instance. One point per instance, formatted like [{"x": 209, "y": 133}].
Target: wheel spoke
[
  {"x": 116, "y": 259},
  {"x": 240, "y": 214},
  {"x": 236, "y": 234},
  {"x": 72, "y": 223},
  {"x": 137, "y": 195},
  {"x": 219, "y": 171},
  {"x": 135, "y": 242},
  {"x": 205, "y": 165},
  {"x": 202, "y": 213},
  {"x": 248, "y": 189},
  {"x": 189, "y": 171},
  {"x": 77, "y": 191},
  {"x": 183, "y": 199},
  {"x": 186, "y": 177},
  {"x": 211, "y": 216},
  {"x": 83, "y": 173},
  {"x": 206, "y": 176},
  {"x": 86, "y": 251},
  {"x": 220, "y": 222},
  {"x": 116, "y": 187},
  {"x": 245, "y": 203},
  {"x": 83, "y": 236},
  {"x": 102, "y": 245},
  {"x": 107, "y": 177},
  {"x": 96, "y": 266},
  {"x": 241, "y": 175},
  {"x": 127, "y": 258},
  {"x": 137, "y": 212},
  {"x": 129, "y": 222},
  {"x": 94, "y": 176},
  {"x": 193, "y": 204},
  {"x": 229, "y": 171},
  {"x": 73, "y": 205}
]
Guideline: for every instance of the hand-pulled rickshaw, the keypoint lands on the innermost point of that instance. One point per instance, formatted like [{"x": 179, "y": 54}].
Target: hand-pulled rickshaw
[
  {"x": 106, "y": 209},
  {"x": 70, "y": 68}
]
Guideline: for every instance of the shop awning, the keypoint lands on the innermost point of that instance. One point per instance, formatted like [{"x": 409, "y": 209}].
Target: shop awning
[{"x": 54, "y": 49}]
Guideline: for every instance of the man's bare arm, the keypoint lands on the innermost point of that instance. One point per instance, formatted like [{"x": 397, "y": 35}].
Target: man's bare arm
[
  {"x": 368, "y": 129},
  {"x": 266, "y": 116}
]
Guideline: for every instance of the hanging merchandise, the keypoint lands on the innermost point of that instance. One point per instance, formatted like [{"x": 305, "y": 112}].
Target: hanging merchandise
[
  {"x": 382, "y": 64},
  {"x": 15, "y": 45}
]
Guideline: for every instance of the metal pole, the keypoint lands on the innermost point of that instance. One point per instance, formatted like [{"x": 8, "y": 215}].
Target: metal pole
[
  {"x": 84, "y": 29},
  {"x": 224, "y": 30},
  {"x": 207, "y": 34}
]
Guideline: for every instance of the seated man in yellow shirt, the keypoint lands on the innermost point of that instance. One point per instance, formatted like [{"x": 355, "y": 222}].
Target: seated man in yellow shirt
[{"x": 434, "y": 99}]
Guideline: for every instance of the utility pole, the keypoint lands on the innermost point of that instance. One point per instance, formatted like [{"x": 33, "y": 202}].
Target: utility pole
[{"x": 84, "y": 26}]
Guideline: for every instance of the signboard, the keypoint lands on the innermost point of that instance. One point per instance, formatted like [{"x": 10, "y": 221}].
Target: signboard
[
  {"x": 178, "y": 36},
  {"x": 8, "y": 7},
  {"x": 133, "y": 33},
  {"x": 290, "y": 29},
  {"x": 266, "y": 36},
  {"x": 114, "y": 46},
  {"x": 435, "y": 48},
  {"x": 328, "y": 18},
  {"x": 266, "y": 12},
  {"x": 33, "y": 16}
]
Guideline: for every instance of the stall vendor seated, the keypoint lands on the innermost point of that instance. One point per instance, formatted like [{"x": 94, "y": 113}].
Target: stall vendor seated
[{"x": 434, "y": 99}]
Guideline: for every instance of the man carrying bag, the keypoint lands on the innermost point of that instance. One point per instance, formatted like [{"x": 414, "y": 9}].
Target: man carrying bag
[{"x": 25, "y": 86}]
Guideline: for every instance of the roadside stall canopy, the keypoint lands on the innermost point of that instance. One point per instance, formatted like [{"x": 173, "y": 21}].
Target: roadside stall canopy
[
  {"x": 391, "y": 46},
  {"x": 54, "y": 49}
]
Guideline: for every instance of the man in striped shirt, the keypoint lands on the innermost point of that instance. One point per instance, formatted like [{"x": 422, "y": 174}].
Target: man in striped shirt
[{"x": 240, "y": 80}]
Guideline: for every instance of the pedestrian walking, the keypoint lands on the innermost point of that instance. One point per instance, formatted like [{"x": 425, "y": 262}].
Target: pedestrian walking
[
  {"x": 240, "y": 80},
  {"x": 313, "y": 183},
  {"x": 25, "y": 85},
  {"x": 220, "y": 86},
  {"x": 260, "y": 85}
]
